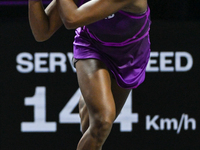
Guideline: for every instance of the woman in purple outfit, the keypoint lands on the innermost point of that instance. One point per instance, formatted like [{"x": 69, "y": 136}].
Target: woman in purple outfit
[{"x": 111, "y": 51}]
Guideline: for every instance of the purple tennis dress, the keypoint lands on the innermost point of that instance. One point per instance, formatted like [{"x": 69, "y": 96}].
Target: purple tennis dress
[{"x": 121, "y": 41}]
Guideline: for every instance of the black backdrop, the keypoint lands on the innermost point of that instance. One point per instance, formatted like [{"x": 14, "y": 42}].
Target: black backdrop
[{"x": 39, "y": 90}]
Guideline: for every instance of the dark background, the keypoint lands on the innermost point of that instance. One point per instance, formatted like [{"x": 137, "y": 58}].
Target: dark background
[
  {"x": 160, "y": 9},
  {"x": 175, "y": 28}
]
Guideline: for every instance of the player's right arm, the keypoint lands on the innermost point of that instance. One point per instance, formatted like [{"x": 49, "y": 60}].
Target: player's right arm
[{"x": 43, "y": 22}]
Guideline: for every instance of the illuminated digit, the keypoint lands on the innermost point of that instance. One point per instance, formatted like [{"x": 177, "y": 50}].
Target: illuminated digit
[
  {"x": 66, "y": 115},
  {"x": 39, "y": 124},
  {"x": 126, "y": 117}
]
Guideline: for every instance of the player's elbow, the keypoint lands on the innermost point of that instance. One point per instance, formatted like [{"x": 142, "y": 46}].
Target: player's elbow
[
  {"x": 70, "y": 26},
  {"x": 71, "y": 23},
  {"x": 41, "y": 37}
]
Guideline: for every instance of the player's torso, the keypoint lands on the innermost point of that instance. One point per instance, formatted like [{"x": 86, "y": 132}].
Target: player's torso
[{"x": 120, "y": 26}]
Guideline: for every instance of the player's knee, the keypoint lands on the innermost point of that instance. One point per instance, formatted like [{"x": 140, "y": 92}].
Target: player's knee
[
  {"x": 100, "y": 131},
  {"x": 101, "y": 127}
]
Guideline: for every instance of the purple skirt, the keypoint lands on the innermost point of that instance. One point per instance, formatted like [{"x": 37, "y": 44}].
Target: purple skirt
[{"x": 127, "y": 62}]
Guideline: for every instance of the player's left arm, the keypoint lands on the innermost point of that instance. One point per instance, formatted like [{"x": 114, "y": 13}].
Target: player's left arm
[{"x": 92, "y": 11}]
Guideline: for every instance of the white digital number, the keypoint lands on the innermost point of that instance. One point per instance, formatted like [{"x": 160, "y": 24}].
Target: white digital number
[
  {"x": 125, "y": 118},
  {"x": 66, "y": 115},
  {"x": 39, "y": 103}
]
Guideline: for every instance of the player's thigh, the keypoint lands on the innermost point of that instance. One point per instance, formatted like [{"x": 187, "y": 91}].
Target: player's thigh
[
  {"x": 120, "y": 95},
  {"x": 95, "y": 84}
]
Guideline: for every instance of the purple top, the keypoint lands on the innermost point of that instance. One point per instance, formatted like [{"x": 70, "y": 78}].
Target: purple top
[{"x": 121, "y": 41}]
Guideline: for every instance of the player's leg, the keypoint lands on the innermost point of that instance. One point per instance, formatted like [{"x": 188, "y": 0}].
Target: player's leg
[
  {"x": 83, "y": 113},
  {"x": 95, "y": 84},
  {"x": 120, "y": 95}
]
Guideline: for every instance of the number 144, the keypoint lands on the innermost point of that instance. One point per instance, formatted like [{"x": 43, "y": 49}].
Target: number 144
[{"x": 38, "y": 101}]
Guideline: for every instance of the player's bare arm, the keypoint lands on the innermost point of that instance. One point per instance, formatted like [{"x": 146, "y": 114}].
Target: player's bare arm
[
  {"x": 94, "y": 10},
  {"x": 43, "y": 22}
]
